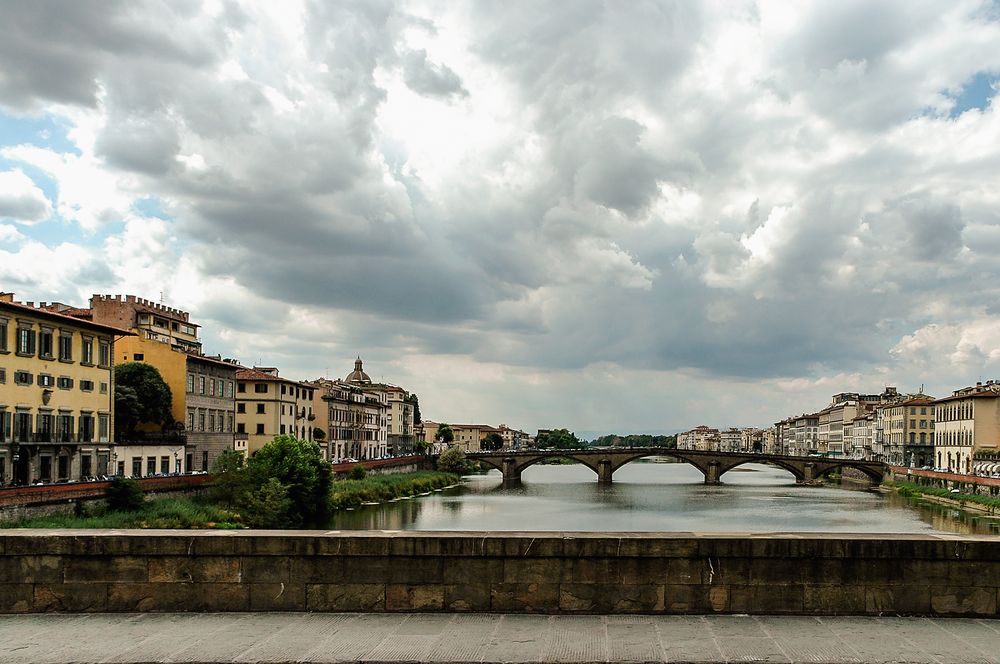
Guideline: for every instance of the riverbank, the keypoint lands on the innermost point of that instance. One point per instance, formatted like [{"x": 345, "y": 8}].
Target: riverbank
[
  {"x": 966, "y": 501},
  {"x": 200, "y": 513}
]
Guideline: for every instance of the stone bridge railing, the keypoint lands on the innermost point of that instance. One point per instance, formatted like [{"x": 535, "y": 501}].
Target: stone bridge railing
[{"x": 605, "y": 461}]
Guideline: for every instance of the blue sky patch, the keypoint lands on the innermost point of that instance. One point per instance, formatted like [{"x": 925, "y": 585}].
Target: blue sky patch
[
  {"x": 47, "y": 131},
  {"x": 976, "y": 93}
]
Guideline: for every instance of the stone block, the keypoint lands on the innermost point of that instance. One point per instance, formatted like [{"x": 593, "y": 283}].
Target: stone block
[
  {"x": 406, "y": 597},
  {"x": 525, "y": 597},
  {"x": 931, "y": 572},
  {"x": 369, "y": 569},
  {"x": 106, "y": 569},
  {"x": 963, "y": 600},
  {"x": 31, "y": 569},
  {"x": 312, "y": 569},
  {"x": 685, "y": 571},
  {"x": 214, "y": 597},
  {"x": 531, "y": 570},
  {"x": 414, "y": 571},
  {"x": 472, "y": 571},
  {"x": 902, "y": 600},
  {"x": 593, "y": 545},
  {"x": 585, "y": 598},
  {"x": 367, "y": 544},
  {"x": 774, "y": 571},
  {"x": 724, "y": 547},
  {"x": 17, "y": 598},
  {"x": 685, "y": 598},
  {"x": 600, "y": 570},
  {"x": 194, "y": 570},
  {"x": 415, "y": 546},
  {"x": 70, "y": 597},
  {"x": 682, "y": 546},
  {"x": 974, "y": 573},
  {"x": 277, "y": 597},
  {"x": 467, "y": 597},
  {"x": 783, "y": 599},
  {"x": 266, "y": 569},
  {"x": 740, "y": 598},
  {"x": 521, "y": 546},
  {"x": 345, "y": 597},
  {"x": 833, "y": 600}
]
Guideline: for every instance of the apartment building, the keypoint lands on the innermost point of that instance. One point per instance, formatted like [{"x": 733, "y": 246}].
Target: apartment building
[
  {"x": 56, "y": 394},
  {"x": 268, "y": 405},
  {"x": 512, "y": 438},
  {"x": 467, "y": 436},
  {"x": 967, "y": 423},
  {"x": 907, "y": 431},
  {"x": 701, "y": 437},
  {"x": 202, "y": 387},
  {"x": 356, "y": 421}
]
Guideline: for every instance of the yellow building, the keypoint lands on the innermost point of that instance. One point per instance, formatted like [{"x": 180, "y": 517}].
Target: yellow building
[
  {"x": 56, "y": 394},
  {"x": 467, "y": 436},
  {"x": 907, "y": 429},
  {"x": 966, "y": 423},
  {"x": 268, "y": 405}
]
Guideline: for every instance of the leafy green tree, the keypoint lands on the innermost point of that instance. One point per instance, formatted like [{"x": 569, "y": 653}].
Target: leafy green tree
[
  {"x": 444, "y": 434},
  {"x": 299, "y": 467},
  {"x": 141, "y": 397},
  {"x": 560, "y": 439},
  {"x": 419, "y": 446},
  {"x": 414, "y": 401},
  {"x": 125, "y": 495},
  {"x": 452, "y": 460},
  {"x": 493, "y": 441},
  {"x": 357, "y": 472},
  {"x": 269, "y": 506},
  {"x": 231, "y": 481},
  {"x": 318, "y": 433}
]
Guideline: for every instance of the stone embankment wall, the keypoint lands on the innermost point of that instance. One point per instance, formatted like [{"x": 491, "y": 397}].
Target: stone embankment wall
[
  {"x": 385, "y": 466},
  {"x": 807, "y": 574},
  {"x": 44, "y": 500},
  {"x": 970, "y": 484}
]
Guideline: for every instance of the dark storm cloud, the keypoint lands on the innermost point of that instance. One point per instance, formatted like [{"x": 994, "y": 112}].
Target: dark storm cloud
[{"x": 427, "y": 78}]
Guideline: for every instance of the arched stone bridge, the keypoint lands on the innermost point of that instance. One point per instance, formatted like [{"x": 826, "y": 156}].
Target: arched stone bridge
[{"x": 605, "y": 461}]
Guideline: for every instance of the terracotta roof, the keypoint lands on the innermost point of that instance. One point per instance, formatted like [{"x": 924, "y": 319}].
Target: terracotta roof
[
  {"x": 972, "y": 395},
  {"x": 212, "y": 360},
  {"x": 51, "y": 315}
]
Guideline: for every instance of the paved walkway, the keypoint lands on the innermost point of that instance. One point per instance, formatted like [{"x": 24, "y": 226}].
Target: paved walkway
[{"x": 311, "y": 637}]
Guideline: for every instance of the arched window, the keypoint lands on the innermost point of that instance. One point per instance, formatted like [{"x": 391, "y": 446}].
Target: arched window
[{"x": 923, "y": 438}]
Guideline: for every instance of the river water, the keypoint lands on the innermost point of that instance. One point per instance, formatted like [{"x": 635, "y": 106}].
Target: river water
[{"x": 647, "y": 496}]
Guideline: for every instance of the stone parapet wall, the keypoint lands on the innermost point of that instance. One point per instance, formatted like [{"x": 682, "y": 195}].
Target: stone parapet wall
[{"x": 582, "y": 573}]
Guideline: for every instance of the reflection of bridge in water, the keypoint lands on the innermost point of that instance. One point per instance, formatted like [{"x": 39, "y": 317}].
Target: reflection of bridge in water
[{"x": 605, "y": 461}]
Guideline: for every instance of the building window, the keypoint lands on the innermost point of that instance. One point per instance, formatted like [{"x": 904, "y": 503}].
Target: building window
[
  {"x": 211, "y": 420},
  {"x": 241, "y": 407},
  {"x": 190, "y": 383},
  {"x": 103, "y": 427},
  {"x": 201, "y": 420},
  {"x": 104, "y": 354},
  {"x": 104, "y": 388},
  {"x": 201, "y": 384},
  {"x": 136, "y": 466},
  {"x": 23, "y": 378},
  {"x": 3, "y": 377},
  {"x": 85, "y": 465},
  {"x": 25, "y": 341},
  {"x": 241, "y": 427},
  {"x": 65, "y": 383},
  {"x": 282, "y": 389},
  {"x": 260, "y": 388},
  {"x": 230, "y": 392},
  {"x": 164, "y": 465},
  {"x": 282, "y": 429},
  {"x": 3, "y": 335},
  {"x": 260, "y": 409},
  {"x": 88, "y": 351},
  {"x": 65, "y": 348},
  {"x": 204, "y": 460},
  {"x": 45, "y": 344},
  {"x": 45, "y": 380},
  {"x": 229, "y": 421},
  {"x": 241, "y": 388},
  {"x": 260, "y": 428},
  {"x": 87, "y": 385},
  {"x": 86, "y": 428}
]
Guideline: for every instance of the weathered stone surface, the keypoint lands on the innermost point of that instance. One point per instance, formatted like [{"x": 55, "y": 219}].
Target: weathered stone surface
[
  {"x": 70, "y": 597},
  {"x": 525, "y": 597},
  {"x": 963, "y": 600},
  {"x": 405, "y": 597},
  {"x": 277, "y": 596},
  {"x": 194, "y": 569},
  {"x": 345, "y": 597},
  {"x": 106, "y": 569},
  {"x": 17, "y": 597}
]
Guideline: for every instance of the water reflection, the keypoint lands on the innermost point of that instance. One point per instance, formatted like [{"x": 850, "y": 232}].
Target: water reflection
[{"x": 660, "y": 497}]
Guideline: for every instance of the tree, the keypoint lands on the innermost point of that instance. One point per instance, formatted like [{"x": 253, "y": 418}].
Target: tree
[
  {"x": 560, "y": 439},
  {"x": 414, "y": 401},
  {"x": 452, "y": 460},
  {"x": 444, "y": 434},
  {"x": 299, "y": 467},
  {"x": 419, "y": 446},
  {"x": 358, "y": 472},
  {"x": 230, "y": 482},
  {"x": 141, "y": 397},
  {"x": 125, "y": 495},
  {"x": 318, "y": 433},
  {"x": 269, "y": 506},
  {"x": 492, "y": 441}
]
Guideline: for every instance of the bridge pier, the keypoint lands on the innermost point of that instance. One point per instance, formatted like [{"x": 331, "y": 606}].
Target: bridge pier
[
  {"x": 511, "y": 471},
  {"x": 604, "y": 471},
  {"x": 809, "y": 475},
  {"x": 712, "y": 473}
]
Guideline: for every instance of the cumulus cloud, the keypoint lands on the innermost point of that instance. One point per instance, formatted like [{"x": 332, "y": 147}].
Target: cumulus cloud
[
  {"x": 552, "y": 196},
  {"x": 21, "y": 199}
]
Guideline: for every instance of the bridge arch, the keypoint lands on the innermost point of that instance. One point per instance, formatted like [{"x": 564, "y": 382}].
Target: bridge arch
[
  {"x": 535, "y": 460},
  {"x": 873, "y": 474}
]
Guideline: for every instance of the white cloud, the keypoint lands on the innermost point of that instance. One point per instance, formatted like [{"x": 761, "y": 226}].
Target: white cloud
[{"x": 21, "y": 199}]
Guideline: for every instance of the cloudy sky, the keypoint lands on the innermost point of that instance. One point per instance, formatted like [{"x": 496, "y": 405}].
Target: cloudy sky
[{"x": 608, "y": 216}]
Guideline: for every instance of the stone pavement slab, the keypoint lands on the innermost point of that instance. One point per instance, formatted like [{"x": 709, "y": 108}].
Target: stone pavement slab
[{"x": 279, "y": 638}]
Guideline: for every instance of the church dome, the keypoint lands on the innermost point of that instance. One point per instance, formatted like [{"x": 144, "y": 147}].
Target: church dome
[{"x": 358, "y": 375}]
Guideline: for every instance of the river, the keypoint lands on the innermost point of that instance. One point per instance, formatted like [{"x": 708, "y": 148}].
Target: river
[{"x": 647, "y": 496}]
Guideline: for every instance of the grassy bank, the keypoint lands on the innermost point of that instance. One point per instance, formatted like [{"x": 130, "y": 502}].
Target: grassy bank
[
  {"x": 911, "y": 490},
  {"x": 382, "y": 488},
  {"x": 159, "y": 513},
  {"x": 200, "y": 512}
]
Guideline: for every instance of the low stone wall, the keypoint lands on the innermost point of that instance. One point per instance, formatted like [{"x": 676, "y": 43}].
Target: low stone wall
[
  {"x": 970, "y": 484},
  {"x": 47, "y": 499},
  {"x": 499, "y": 572}
]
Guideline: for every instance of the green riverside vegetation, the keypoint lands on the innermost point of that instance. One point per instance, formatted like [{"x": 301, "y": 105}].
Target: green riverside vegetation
[
  {"x": 381, "y": 488},
  {"x": 911, "y": 490}
]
